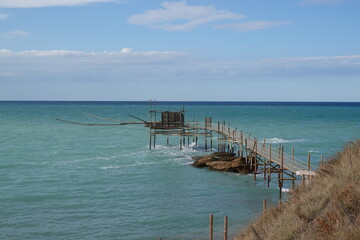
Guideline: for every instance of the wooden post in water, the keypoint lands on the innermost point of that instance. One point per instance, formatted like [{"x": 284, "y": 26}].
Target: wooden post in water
[
  {"x": 180, "y": 143},
  {"x": 269, "y": 175},
  {"x": 281, "y": 173},
  {"x": 293, "y": 154},
  {"x": 264, "y": 144},
  {"x": 255, "y": 159},
  {"x": 218, "y": 138},
  {"x": 211, "y": 227},
  {"x": 205, "y": 143},
  {"x": 225, "y": 227},
  {"x": 196, "y": 141},
  {"x": 154, "y": 140},
  {"x": 246, "y": 152},
  {"x": 167, "y": 140},
  {"x": 211, "y": 145},
  {"x": 241, "y": 150},
  {"x": 264, "y": 161},
  {"x": 150, "y": 142}
]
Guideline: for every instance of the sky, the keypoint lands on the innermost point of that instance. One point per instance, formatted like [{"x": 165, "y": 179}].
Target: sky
[{"x": 194, "y": 50}]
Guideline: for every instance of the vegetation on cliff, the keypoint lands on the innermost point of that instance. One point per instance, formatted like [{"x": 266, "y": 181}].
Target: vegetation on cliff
[{"x": 327, "y": 208}]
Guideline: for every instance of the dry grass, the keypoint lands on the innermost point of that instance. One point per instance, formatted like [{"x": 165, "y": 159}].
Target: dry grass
[{"x": 328, "y": 208}]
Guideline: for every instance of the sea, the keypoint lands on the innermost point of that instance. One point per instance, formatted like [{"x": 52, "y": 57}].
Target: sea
[{"x": 67, "y": 181}]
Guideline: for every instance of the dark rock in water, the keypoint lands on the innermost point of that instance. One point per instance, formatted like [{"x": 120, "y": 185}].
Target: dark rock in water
[
  {"x": 222, "y": 161},
  {"x": 201, "y": 161}
]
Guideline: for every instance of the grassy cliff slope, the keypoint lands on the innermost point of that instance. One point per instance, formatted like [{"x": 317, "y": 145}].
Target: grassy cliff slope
[{"x": 327, "y": 208}]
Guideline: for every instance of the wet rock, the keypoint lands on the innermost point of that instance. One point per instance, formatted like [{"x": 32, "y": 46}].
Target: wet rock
[
  {"x": 222, "y": 161},
  {"x": 201, "y": 161}
]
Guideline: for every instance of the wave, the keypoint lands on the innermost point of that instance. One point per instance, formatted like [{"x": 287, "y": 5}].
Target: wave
[
  {"x": 313, "y": 151},
  {"x": 128, "y": 165},
  {"x": 279, "y": 140}
]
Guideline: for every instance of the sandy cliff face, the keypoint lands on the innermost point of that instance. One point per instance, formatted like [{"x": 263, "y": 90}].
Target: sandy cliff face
[{"x": 327, "y": 208}]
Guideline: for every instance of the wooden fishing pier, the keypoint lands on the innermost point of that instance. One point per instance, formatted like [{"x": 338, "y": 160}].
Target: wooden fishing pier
[{"x": 262, "y": 157}]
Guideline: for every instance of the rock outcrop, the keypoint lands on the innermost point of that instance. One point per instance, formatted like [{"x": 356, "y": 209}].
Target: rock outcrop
[{"x": 222, "y": 161}]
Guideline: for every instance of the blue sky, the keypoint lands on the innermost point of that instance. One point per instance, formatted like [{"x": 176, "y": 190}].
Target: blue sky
[{"x": 251, "y": 50}]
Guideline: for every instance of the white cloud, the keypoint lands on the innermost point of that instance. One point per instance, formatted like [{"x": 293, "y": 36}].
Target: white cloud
[
  {"x": 47, "y": 3},
  {"x": 322, "y": 58},
  {"x": 126, "y": 50},
  {"x": 15, "y": 34},
  {"x": 3, "y": 16},
  {"x": 180, "y": 16},
  {"x": 310, "y": 2},
  {"x": 250, "y": 26},
  {"x": 130, "y": 65},
  {"x": 125, "y": 54}
]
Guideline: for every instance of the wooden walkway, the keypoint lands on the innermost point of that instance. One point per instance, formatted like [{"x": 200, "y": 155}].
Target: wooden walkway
[{"x": 266, "y": 151}]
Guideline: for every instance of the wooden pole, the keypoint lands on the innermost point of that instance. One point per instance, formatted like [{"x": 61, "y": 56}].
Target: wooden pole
[
  {"x": 150, "y": 142},
  {"x": 241, "y": 150},
  {"x": 269, "y": 175},
  {"x": 206, "y": 144},
  {"x": 255, "y": 159},
  {"x": 309, "y": 166},
  {"x": 167, "y": 141},
  {"x": 280, "y": 185},
  {"x": 264, "y": 144},
  {"x": 246, "y": 154},
  {"x": 155, "y": 141},
  {"x": 211, "y": 227},
  {"x": 281, "y": 171},
  {"x": 264, "y": 164},
  {"x": 180, "y": 143},
  {"x": 282, "y": 157},
  {"x": 293, "y": 154},
  {"x": 225, "y": 227},
  {"x": 303, "y": 179},
  {"x": 264, "y": 206},
  {"x": 211, "y": 145}
]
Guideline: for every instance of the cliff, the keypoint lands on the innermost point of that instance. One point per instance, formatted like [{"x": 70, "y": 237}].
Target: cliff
[{"x": 327, "y": 208}]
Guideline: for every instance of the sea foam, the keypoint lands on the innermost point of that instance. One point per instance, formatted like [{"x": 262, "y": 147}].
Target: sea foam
[{"x": 279, "y": 140}]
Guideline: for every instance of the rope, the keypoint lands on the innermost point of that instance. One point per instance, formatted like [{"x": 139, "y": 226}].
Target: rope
[{"x": 108, "y": 119}]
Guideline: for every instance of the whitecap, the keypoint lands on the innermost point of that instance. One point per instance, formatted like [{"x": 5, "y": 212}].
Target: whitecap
[
  {"x": 313, "y": 151},
  {"x": 279, "y": 140},
  {"x": 128, "y": 165},
  {"x": 285, "y": 190}
]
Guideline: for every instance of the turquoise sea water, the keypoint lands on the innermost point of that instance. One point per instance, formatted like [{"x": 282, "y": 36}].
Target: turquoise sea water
[{"x": 63, "y": 181}]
